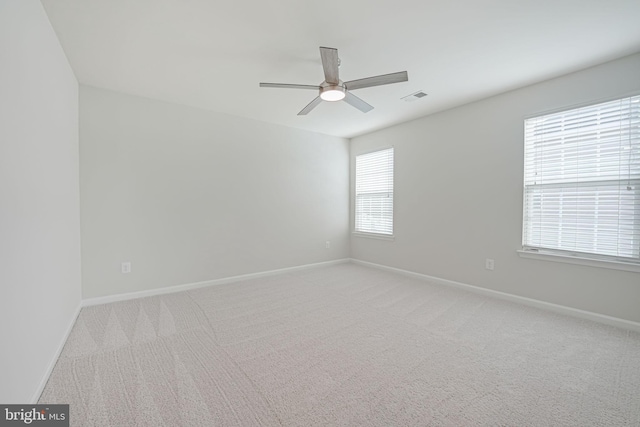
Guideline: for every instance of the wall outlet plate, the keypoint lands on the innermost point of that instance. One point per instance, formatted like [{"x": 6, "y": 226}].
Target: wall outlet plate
[{"x": 125, "y": 267}]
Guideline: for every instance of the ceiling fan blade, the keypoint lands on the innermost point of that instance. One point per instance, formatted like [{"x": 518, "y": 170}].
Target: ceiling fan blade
[
  {"x": 384, "y": 79},
  {"x": 313, "y": 104},
  {"x": 353, "y": 100},
  {"x": 288, "y": 86},
  {"x": 330, "y": 64}
]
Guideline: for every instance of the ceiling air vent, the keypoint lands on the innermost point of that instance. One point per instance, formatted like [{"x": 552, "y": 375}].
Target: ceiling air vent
[{"x": 414, "y": 96}]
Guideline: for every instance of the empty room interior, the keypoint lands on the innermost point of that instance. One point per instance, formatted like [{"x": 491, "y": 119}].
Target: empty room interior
[{"x": 407, "y": 213}]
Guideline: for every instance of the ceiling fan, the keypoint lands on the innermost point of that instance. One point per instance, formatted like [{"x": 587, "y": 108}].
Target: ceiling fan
[{"x": 334, "y": 89}]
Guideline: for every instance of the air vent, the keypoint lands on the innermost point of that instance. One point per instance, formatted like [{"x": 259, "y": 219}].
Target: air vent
[{"x": 414, "y": 96}]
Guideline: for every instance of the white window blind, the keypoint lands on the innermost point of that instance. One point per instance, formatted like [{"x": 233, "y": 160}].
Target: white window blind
[
  {"x": 374, "y": 192},
  {"x": 582, "y": 181}
]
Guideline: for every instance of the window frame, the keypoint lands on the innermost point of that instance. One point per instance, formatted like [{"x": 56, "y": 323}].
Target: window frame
[
  {"x": 568, "y": 256},
  {"x": 373, "y": 234}
]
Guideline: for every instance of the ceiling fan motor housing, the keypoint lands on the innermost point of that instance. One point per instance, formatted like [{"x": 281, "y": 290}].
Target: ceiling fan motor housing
[{"x": 332, "y": 92}]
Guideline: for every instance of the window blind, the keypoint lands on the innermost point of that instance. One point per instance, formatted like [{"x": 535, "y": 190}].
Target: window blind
[
  {"x": 582, "y": 180},
  {"x": 374, "y": 192}
]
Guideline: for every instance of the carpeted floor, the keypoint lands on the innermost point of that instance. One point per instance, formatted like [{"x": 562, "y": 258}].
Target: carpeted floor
[{"x": 344, "y": 345}]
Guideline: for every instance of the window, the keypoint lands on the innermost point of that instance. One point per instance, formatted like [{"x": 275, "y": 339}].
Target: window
[
  {"x": 374, "y": 192},
  {"x": 582, "y": 182}
]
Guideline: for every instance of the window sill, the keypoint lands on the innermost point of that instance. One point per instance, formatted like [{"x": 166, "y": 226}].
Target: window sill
[
  {"x": 373, "y": 236},
  {"x": 574, "y": 259}
]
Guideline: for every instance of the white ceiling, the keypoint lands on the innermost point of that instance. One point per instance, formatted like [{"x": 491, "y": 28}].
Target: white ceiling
[{"x": 213, "y": 53}]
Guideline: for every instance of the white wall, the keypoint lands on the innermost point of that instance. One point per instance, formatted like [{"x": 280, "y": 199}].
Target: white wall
[
  {"x": 458, "y": 196},
  {"x": 39, "y": 199},
  {"x": 189, "y": 195}
]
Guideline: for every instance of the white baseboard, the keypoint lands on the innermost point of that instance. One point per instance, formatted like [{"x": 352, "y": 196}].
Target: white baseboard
[
  {"x": 54, "y": 360},
  {"x": 583, "y": 314},
  {"x": 189, "y": 286}
]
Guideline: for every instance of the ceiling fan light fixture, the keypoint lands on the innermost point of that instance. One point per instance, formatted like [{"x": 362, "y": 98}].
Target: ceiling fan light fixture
[
  {"x": 332, "y": 93},
  {"x": 333, "y": 89}
]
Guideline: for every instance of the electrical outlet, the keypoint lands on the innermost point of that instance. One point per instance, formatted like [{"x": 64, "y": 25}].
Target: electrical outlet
[
  {"x": 489, "y": 264},
  {"x": 327, "y": 244},
  {"x": 126, "y": 267}
]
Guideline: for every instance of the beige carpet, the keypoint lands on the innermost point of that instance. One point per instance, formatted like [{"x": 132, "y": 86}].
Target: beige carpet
[{"x": 343, "y": 346}]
